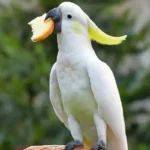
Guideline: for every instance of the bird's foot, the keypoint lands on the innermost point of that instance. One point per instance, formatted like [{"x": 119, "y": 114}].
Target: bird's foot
[
  {"x": 74, "y": 144},
  {"x": 99, "y": 146}
]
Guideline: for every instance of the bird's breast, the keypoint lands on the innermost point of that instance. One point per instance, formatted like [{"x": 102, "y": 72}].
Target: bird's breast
[{"x": 75, "y": 89}]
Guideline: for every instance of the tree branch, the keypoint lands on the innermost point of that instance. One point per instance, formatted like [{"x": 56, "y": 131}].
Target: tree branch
[{"x": 51, "y": 147}]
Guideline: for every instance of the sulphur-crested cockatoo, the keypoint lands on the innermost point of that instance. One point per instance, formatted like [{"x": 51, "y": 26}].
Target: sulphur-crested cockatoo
[{"x": 83, "y": 89}]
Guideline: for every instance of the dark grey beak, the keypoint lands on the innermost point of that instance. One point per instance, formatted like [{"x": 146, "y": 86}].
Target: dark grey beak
[{"x": 56, "y": 16}]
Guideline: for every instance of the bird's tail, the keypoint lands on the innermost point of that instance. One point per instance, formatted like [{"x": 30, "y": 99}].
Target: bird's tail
[
  {"x": 86, "y": 143},
  {"x": 115, "y": 144}
]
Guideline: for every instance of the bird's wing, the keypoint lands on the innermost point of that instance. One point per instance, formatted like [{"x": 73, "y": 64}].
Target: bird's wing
[
  {"x": 55, "y": 96},
  {"x": 106, "y": 94}
]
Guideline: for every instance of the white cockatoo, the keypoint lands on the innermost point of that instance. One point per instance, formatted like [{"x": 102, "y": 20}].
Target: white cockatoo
[{"x": 83, "y": 90}]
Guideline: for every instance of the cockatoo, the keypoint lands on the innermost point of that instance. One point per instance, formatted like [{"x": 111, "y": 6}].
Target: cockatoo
[{"x": 83, "y": 90}]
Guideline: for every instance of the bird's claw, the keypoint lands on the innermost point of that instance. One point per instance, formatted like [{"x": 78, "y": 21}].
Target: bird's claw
[
  {"x": 99, "y": 146},
  {"x": 74, "y": 144}
]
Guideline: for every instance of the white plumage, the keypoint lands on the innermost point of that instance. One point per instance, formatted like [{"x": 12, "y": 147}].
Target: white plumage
[{"x": 83, "y": 89}]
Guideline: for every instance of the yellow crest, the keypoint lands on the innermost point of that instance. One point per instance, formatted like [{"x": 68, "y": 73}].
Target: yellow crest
[{"x": 99, "y": 36}]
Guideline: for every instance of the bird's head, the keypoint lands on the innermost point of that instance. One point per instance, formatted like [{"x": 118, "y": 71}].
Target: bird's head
[{"x": 70, "y": 18}]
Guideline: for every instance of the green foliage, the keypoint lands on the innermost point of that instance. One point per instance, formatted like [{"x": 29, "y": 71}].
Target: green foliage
[{"x": 26, "y": 115}]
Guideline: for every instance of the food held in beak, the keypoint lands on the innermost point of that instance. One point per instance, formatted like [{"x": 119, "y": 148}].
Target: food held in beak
[{"x": 41, "y": 29}]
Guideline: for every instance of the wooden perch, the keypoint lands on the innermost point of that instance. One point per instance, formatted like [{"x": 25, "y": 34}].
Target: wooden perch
[{"x": 51, "y": 147}]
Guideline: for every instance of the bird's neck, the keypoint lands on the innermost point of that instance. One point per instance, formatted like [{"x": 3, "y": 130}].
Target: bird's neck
[
  {"x": 73, "y": 46},
  {"x": 73, "y": 43}
]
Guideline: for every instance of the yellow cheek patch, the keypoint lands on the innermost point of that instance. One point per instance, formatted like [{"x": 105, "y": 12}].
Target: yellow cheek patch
[{"x": 76, "y": 27}]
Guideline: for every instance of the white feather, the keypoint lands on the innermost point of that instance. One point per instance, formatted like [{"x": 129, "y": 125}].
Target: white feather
[
  {"x": 55, "y": 97},
  {"x": 106, "y": 94}
]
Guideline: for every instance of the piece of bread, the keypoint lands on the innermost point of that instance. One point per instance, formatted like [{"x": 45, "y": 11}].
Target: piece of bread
[{"x": 41, "y": 29}]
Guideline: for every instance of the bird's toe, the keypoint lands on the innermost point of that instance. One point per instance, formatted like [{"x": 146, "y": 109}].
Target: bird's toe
[
  {"x": 100, "y": 145},
  {"x": 72, "y": 145}
]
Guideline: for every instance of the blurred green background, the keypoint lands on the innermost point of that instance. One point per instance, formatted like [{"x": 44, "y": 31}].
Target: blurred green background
[{"x": 26, "y": 114}]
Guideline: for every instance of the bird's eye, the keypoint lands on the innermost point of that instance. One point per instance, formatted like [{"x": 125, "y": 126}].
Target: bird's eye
[{"x": 69, "y": 16}]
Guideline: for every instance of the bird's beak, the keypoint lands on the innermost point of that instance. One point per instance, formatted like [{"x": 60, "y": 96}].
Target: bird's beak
[{"x": 56, "y": 16}]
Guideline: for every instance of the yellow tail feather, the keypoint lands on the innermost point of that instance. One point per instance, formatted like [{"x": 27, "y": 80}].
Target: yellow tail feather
[{"x": 86, "y": 143}]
